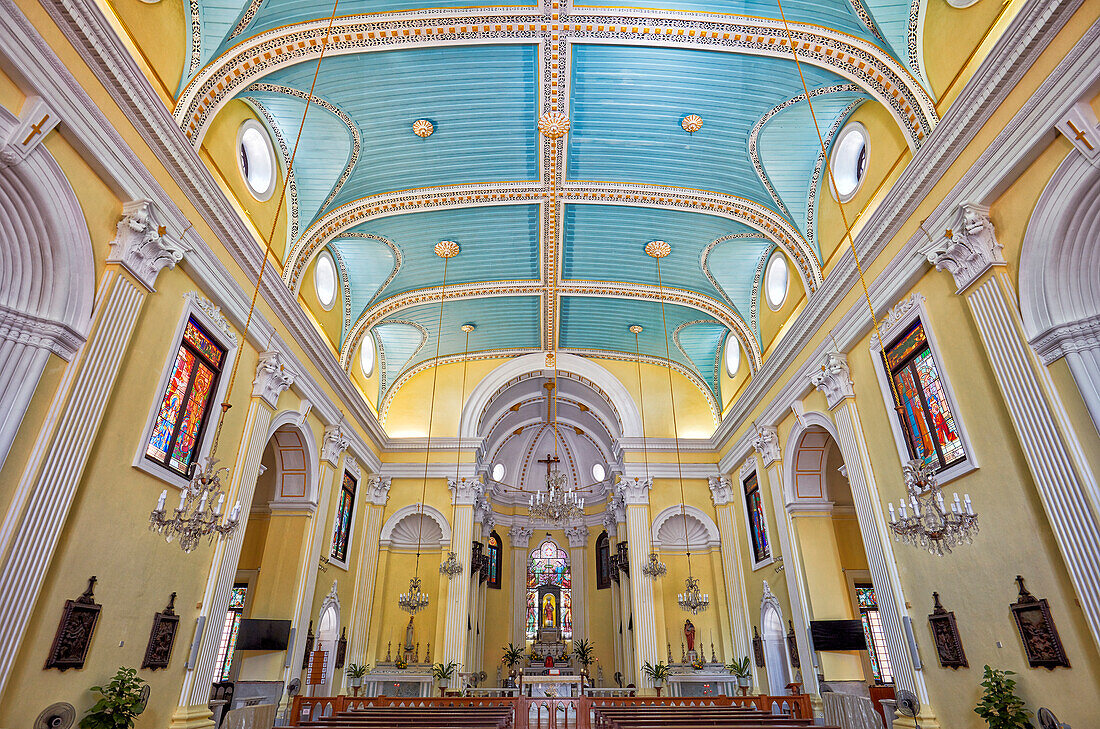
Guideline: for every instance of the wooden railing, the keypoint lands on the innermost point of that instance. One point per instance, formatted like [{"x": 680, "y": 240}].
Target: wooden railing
[{"x": 309, "y": 708}]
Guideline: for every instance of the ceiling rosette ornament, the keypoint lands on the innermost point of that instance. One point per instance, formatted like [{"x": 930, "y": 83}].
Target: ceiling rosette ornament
[
  {"x": 692, "y": 123},
  {"x": 423, "y": 128},
  {"x": 554, "y": 124}
]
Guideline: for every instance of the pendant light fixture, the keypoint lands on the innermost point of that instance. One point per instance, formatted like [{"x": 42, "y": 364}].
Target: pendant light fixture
[
  {"x": 654, "y": 568},
  {"x": 451, "y": 565},
  {"x": 559, "y": 503}
]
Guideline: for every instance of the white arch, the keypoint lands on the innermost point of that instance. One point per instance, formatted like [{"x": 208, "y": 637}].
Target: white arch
[
  {"x": 1060, "y": 275},
  {"x": 806, "y": 422},
  {"x": 777, "y": 662},
  {"x": 425, "y": 510},
  {"x": 328, "y": 634},
  {"x": 47, "y": 276},
  {"x": 536, "y": 362},
  {"x": 709, "y": 527},
  {"x": 294, "y": 420}
]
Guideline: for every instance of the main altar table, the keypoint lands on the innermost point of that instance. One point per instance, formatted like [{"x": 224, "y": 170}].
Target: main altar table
[{"x": 540, "y": 686}]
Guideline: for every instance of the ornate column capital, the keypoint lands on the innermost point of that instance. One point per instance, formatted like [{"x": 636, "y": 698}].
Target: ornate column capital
[
  {"x": 272, "y": 377},
  {"x": 464, "y": 491},
  {"x": 766, "y": 443},
  {"x": 483, "y": 512},
  {"x": 635, "y": 490},
  {"x": 351, "y": 465},
  {"x": 334, "y": 443},
  {"x": 520, "y": 536},
  {"x": 378, "y": 490},
  {"x": 577, "y": 535},
  {"x": 721, "y": 490},
  {"x": 615, "y": 512},
  {"x": 833, "y": 378},
  {"x": 140, "y": 245},
  {"x": 969, "y": 249}
]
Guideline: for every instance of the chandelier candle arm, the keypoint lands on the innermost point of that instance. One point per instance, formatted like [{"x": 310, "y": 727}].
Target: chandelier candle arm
[
  {"x": 192, "y": 519},
  {"x": 931, "y": 526}
]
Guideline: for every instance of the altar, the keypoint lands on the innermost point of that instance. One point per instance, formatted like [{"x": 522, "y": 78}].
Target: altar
[{"x": 540, "y": 687}]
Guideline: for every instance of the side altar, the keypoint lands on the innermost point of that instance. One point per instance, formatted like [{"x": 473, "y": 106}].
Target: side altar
[{"x": 404, "y": 674}]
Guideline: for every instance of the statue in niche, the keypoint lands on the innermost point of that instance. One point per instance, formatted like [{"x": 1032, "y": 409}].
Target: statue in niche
[
  {"x": 548, "y": 605},
  {"x": 409, "y": 635},
  {"x": 689, "y": 635}
]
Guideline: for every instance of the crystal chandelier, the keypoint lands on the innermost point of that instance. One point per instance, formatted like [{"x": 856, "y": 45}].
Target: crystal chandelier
[
  {"x": 931, "y": 526},
  {"x": 693, "y": 601},
  {"x": 414, "y": 600},
  {"x": 200, "y": 510},
  {"x": 558, "y": 503},
  {"x": 654, "y": 568},
  {"x": 450, "y": 566}
]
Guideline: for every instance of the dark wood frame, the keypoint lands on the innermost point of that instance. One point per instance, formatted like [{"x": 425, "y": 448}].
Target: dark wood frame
[
  {"x": 1042, "y": 643},
  {"x": 75, "y": 631},
  {"x": 339, "y": 536},
  {"x": 792, "y": 646},
  {"x": 747, "y": 492},
  {"x": 758, "y": 648},
  {"x": 603, "y": 561},
  {"x": 945, "y": 634},
  {"x": 162, "y": 637}
]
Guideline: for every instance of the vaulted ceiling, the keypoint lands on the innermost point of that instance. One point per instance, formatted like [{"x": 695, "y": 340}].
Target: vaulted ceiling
[{"x": 552, "y": 229}]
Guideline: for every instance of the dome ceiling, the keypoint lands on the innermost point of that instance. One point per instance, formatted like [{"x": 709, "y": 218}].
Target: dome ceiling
[{"x": 552, "y": 229}]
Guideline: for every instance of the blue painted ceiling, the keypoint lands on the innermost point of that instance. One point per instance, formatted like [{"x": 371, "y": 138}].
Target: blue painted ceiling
[{"x": 514, "y": 202}]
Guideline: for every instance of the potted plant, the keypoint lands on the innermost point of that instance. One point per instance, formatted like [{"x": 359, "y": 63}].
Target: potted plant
[
  {"x": 512, "y": 656},
  {"x": 444, "y": 674},
  {"x": 743, "y": 670},
  {"x": 657, "y": 673},
  {"x": 120, "y": 702},
  {"x": 584, "y": 652},
  {"x": 355, "y": 673},
  {"x": 999, "y": 705}
]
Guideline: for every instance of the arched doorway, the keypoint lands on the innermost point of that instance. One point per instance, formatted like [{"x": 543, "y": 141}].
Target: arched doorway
[
  {"x": 328, "y": 636},
  {"x": 776, "y": 661}
]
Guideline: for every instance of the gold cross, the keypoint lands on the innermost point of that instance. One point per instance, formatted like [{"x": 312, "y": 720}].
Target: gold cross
[
  {"x": 1079, "y": 135},
  {"x": 36, "y": 129}
]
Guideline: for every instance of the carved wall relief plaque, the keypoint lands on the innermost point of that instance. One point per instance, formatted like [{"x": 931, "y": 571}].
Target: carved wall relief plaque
[
  {"x": 162, "y": 637},
  {"x": 74, "y": 632},
  {"x": 1041, "y": 641},
  {"x": 945, "y": 632}
]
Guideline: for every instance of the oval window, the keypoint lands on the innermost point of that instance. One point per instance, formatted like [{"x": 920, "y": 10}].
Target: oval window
[
  {"x": 598, "y": 472},
  {"x": 775, "y": 281},
  {"x": 324, "y": 280},
  {"x": 366, "y": 356},
  {"x": 849, "y": 161},
  {"x": 498, "y": 472},
  {"x": 733, "y": 355},
  {"x": 256, "y": 159}
]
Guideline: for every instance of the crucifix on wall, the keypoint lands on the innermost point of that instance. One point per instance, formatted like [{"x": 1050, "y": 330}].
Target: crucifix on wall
[{"x": 549, "y": 461}]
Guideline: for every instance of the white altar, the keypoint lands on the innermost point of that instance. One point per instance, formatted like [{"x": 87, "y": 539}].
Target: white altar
[
  {"x": 713, "y": 680},
  {"x": 540, "y": 687},
  {"x": 397, "y": 683}
]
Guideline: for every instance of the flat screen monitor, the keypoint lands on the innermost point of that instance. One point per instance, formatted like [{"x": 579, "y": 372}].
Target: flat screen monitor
[
  {"x": 837, "y": 635},
  {"x": 263, "y": 635}
]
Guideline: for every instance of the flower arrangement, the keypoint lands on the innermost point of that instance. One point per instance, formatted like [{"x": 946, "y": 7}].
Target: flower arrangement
[{"x": 401, "y": 663}]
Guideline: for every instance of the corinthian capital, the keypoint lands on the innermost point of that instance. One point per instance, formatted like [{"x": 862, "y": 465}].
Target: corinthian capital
[
  {"x": 520, "y": 535},
  {"x": 378, "y": 490},
  {"x": 272, "y": 377},
  {"x": 635, "y": 490},
  {"x": 721, "y": 490},
  {"x": 577, "y": 535},
  {"x": 832, "y": 378},
  {"x": 766, "y": 443},
  {"x": 464, "y": 491},
  {"x": 335, "y": 442},
  {"x": 140, "y": 245},
  {"x": 969, "y": 249}
]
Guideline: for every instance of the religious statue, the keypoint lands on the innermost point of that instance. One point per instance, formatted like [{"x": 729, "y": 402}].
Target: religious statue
[
  {"x": 549, "y": 662},
  {"x": 689, "y": 635},
  {"x": 548, "y": 610},
  {"x": 409, "y": 635}
]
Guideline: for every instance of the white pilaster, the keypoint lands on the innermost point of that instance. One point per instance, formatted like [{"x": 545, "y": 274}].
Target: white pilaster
[
  {"x": 464, "y": 492},
  {"x": 520, "y": 536},
  {"x": 733, "y": 572},
  {"x": 635, "y": 492},
  {"x": 376, "y": 494},
  {"x": 577, "y": 535}
]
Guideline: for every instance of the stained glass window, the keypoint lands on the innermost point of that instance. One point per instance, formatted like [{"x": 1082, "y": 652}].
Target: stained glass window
[
  {"x": 603, "y": 562},
  {"x": 931, "y": 430},
  {"x": 758, "y": 527},
  {"x": 232, "y": 625},
  {"x": 342, "y": 531},
  {"x": 185, "y": 407},
  {"x": 549, "y": 565},
  {"x": 494, "y": 560},
  {"x": 873, "y": 633}
]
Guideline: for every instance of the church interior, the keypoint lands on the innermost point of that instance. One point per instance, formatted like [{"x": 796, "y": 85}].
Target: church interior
[{"x": 425, "y": 363}]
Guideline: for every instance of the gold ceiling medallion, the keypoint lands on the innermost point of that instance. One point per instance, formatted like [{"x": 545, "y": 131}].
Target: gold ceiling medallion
[
  {"x": 469, "y": 327},
  {"x": 446, "y": 249},
  {"x": 423, "y": 128},
  {"x": 635, "y": 328},
  {"x": 554, "y": 124},
  {"x": 657, "y": 249},
  {"x": 692, "y": 123}
]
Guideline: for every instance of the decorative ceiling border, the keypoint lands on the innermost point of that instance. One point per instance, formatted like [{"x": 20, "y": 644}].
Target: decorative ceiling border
[
  {"x": 288, "y": 172},
  {"x": 857, "y": 6},
  {"x": 345, "y": 286},
  {"x": 676, "y": 339},
  {"x": 816, "y": 181},
  {"x": 397, "y": 257},
  {"x": 382, "y": 374},
  {"x": 882, "y": 76},
  {"x": 756, "y": 281},
  {"x": 753, "y": 317}
]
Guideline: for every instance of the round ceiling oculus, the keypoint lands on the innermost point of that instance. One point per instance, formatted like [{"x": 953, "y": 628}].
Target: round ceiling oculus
[
  {"x": 325, "y": 279},
  {"x": 256, "y": 159}
]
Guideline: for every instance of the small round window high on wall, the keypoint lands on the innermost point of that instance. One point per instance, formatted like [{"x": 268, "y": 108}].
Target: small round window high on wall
[
  {"x": 849, "y": 161},
  {"x": 598, "y": 472},
  {"x": 366, "y": 356},
  {"x": 324, "y": 280},
  {"x": 256, "y": 159},
  {"x": 776, "y": 281},
  {"x": 733, "y": 355},
  {"x": 498, "y": 472}
]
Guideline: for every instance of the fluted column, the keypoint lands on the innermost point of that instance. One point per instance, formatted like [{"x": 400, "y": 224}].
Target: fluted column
[
  {"x": 733, "y": 571},
  {"x": 520, "y": 536},
  {"x": 578, "y": 566},
  {"x": 464, "y": 493},
  {"x": 40, "y": 503},
  {"x": 766, "y": 444},
  {"x": 377, "y": 494},
  {"x": 272, "y": 379},
  {"x": 1063, "y": 479},
  {"x": 635, "y": 493}
]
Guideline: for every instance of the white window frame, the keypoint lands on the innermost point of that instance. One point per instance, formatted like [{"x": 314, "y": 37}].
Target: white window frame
[
  {"x": 749, "y": 469},
  {"x": 276, "y": 167},
  {"x": 336, "y": 283},
  {"x": 764, "y": 281},
  {"x": 350, "y": 466},
  {"x": 901, "y": 317},
  {"x": 198, "y": 307},
  {"x": 862, "y": 131}
]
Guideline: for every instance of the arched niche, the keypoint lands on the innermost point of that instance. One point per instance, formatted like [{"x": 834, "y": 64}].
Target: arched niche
[
  {"x": 416, "y": 524},
  {"x": 670, "y": 525},
  {"x": 47, "y": 276},
  {"x": 776, "y": 660},
  {"x": 805, "y": 461},
  {"x": 1060, "y": 276},
  {"x": 295, "y": 458}
]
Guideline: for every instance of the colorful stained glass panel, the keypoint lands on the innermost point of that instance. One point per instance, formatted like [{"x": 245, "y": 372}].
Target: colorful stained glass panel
[
  {"x": 342, "y": 528},
  {"x": 206, "y": 346},
  {"x": 192, "y": 418},
  {"x": 758, "y": 529},
  {"x": 170, "y": 407},
  {"x": 549, "y": 565}
]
